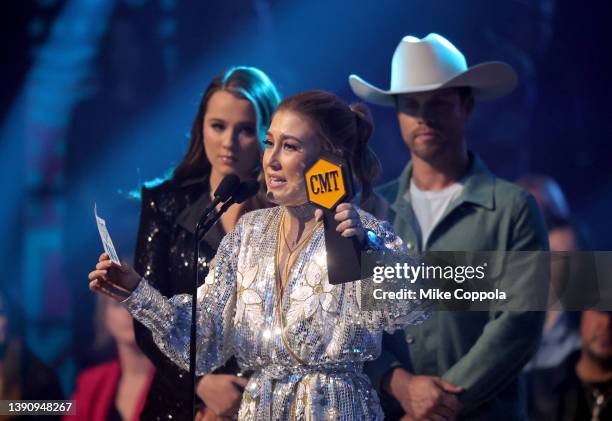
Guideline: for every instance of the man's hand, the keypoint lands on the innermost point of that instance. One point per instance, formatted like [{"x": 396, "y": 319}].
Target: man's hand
[
  {"x": 221, "y": 394},
  {"x": 424, "y": 397}
]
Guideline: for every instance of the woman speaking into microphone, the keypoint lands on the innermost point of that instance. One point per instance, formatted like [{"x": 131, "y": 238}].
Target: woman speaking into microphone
[{"x": 267, "y": 299}]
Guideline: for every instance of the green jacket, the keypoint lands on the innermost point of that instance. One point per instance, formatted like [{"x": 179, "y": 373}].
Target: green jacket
[{"x": 484, "y": 352}]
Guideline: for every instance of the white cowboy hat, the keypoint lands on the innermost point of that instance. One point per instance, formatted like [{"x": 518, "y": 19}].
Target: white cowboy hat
[{"x": 432, "y": 63}]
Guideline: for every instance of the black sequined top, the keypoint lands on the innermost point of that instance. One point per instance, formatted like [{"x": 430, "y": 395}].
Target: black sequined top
[{"x": 164, "y": 256}]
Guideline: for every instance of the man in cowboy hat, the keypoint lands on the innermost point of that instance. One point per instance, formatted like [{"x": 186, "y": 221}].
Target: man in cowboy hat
[{"x": 461, "y": 364}]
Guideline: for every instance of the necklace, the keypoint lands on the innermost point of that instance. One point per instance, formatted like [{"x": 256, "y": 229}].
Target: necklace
[
  {"x": 302, "y": 212},
  {"x": 284, "y": 276},
  {"x": 280, "y": 288},
  {"x": 300, "y": 243}
]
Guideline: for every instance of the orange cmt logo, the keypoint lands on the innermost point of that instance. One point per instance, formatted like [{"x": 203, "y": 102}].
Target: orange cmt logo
[{"x": 325, "y": 184}]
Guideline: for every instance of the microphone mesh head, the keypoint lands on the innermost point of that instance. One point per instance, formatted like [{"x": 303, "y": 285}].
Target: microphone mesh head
[
  {"x": 247, "y": 189},
  {"x": 227, "y": 187}
]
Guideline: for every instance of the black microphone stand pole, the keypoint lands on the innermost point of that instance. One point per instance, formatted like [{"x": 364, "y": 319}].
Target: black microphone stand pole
[
  {"x": 224, "y": 191},
  {"x": 192, "y": 338},
  {"x": 240, "y": 194}
]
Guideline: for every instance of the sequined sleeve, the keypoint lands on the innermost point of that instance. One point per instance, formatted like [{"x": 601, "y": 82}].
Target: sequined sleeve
[
  {"x": 151, "y": 260},
  {"x": 394, "y": 313},
  {"x": 169, "y": 319}
]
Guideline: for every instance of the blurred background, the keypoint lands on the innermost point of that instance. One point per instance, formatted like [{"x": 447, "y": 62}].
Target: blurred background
[{"x": 98, "y": 97}]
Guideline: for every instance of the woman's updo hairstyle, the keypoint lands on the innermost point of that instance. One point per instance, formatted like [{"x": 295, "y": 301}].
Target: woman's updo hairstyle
[{"x": 345, "y": 131}]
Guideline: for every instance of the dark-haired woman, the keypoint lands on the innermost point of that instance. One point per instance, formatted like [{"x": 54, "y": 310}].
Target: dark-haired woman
[
  {"x": 267, "y": 299},
  {"x": 226, "y": 138}
]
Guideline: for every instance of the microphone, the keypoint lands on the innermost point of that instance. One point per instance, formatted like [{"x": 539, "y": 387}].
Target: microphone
[
  {"x": 224, "y": 191},
  {"x": 245, "y": 190}
]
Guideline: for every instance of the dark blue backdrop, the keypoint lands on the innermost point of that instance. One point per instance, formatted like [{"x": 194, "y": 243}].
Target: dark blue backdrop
[{"x": 97, "y": 97}]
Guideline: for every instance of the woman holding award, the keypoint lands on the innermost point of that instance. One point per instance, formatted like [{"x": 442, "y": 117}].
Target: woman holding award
[{"x": 267, "y": 299}]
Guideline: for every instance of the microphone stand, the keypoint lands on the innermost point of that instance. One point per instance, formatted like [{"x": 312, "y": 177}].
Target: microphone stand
[
  {"x": 201, "y": 229},
  {"x": 203, "y": 226},
  {"x": 243, "y": 192},
  {"x": 192, "y": 338}
]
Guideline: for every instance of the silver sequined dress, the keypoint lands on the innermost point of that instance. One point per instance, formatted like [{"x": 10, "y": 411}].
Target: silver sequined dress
[{"x": 306, "y": 349}]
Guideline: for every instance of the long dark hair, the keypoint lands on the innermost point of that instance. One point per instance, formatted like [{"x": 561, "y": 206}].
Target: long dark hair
[
  {"x": 345, "y": 131},
  {"x": 244, "y": 82}
]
